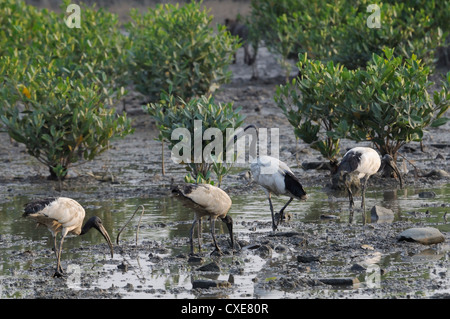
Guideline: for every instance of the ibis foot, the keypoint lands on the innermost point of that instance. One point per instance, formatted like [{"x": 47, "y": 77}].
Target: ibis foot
[
  {"x": 217, "y": 252},
  {"x": 58, "y": 274}
]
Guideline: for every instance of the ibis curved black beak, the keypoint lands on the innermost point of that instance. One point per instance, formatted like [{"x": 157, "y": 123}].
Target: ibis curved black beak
[
  {"x": 105, "y": 234},
  {"x": 97, "y": 224},
  {"x": 396, "y": 170},
  {"x": 229, "y": 222}
]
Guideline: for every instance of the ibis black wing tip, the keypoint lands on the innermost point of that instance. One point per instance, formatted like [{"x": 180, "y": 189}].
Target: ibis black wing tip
[
  {"x": 184, "y": 190},
  {"x": 293, "y": 185}
]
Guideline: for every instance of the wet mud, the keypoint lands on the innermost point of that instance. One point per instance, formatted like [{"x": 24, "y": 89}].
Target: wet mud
[{"x": 325, "y": 257}]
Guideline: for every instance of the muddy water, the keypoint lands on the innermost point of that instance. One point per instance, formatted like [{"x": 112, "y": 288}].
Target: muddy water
[{"x": 158, "y": 268}]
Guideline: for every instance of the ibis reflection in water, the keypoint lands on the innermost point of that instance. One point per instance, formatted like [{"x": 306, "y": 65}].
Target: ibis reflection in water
[{"x": 63, "y": 215}]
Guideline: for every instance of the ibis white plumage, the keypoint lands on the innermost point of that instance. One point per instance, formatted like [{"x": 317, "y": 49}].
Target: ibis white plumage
[
  {"x": 206, "y": 200},
  {"x": 275, "y": 177},
  {"x": 365, "y": 162},
  {"x": 63, "y": 215}
]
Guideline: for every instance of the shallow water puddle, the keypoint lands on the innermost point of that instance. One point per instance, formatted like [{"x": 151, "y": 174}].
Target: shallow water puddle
[{"x": 164, "y": 230}]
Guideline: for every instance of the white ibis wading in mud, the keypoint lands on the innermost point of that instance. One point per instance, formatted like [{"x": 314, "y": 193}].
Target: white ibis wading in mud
[
  {"x": 275, "y": 177},
  {"x": 206, "y": 200},
  {"x": 365, "y": 162},
  {"x": 63, "y": 215}
]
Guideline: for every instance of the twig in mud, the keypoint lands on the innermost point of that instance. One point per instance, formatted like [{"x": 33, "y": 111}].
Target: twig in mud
[{"x": 137, "y": 230}]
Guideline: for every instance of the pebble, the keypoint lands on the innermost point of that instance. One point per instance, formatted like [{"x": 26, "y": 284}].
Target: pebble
[{"x": 205, "y": 284}]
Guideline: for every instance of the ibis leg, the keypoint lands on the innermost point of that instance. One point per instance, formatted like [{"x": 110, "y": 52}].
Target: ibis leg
[
  {"x": 59, "y": 272},
  {"x": 281, "y": 214},
  {"x": 199, "y": 234},
  {"x": 350, "y": 196},
  {"x": 213, "y": 225},
  {"x": 363, "y": 200},
  {"x": 191, "y": 236},
  {"x": 274, "y": 226}
]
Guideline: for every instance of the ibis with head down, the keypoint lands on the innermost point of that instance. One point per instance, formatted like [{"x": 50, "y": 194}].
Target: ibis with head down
[
  {"x": 365, "y": 162},
  {"x": 63, "y": 215},
  {"x": 206, "y": 201},
  {"x": 275, "y": 177}
]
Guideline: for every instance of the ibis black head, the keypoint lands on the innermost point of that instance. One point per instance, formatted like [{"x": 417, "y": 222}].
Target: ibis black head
[
  {"x": 389, "y": 161},
  {"x": 229, "y": 222},
  {"x": 96, "y": 222}
]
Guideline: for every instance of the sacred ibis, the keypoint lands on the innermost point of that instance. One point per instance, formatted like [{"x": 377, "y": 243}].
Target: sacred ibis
[
  {"x": 63, "y": 215},
  {"x": 365, "y": 162},
  {"x": 275, "y": 177},
  {"x": 206, "y": 200}
]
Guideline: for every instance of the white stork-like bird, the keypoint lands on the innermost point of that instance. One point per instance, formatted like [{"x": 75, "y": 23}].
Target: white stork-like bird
[
  {"x": 63, "y": 215},
  {"x": 365, "y": 162},
  {"x": 206, "y": 200},
  {"x": 275, "y": 177}
]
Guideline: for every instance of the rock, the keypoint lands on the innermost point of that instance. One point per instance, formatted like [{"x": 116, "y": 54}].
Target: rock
[
  {"x": 123, "y": 267},
  {"x": 439, "y": 173},
  {"x": 205, "y": 284},
  {"x": 367, "y": 247},
  {"x": 339, "y": 281},
  {"x": 281, "y": 249},
  {"x": 264, "y": 251},
  {"x": 307, "y": 258},
  {"x": 427, "y": 194},
  {"x": 285, "y": 234},
  {"x": 214, "y": 267},
  {"x": 381, "y": 214},
  {"x": 423, "y": 235},
  {"x": 196, "y": 260}
]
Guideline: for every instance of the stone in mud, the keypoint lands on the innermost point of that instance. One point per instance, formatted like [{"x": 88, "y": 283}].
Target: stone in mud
[
  {"x": 213, "y": 267},
  {"x": 264, "y": 251},
  {"x": 123, "y": 267},
  {"x": 284, "y": 234},
  {"x": 307, "y": 258},
  {"x": 196, "y": 259},
  {"x": 423, "y": 235},
  {"x": 381, "y": 214},
  {"x": 427, "y": 194},
  {"x": 281, "y": 249},
  {"x": 339, "y": 281},
  {"x": 437, "y": 173},
  {"x": 205, "y": 284}
]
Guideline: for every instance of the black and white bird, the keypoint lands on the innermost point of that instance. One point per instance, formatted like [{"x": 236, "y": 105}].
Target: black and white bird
[
  {"x": 65, "y": 215},
  {"x": 365, "y": 162},
  {"x": 275, "y": 177},
  {"x": 206, "y": 201}
]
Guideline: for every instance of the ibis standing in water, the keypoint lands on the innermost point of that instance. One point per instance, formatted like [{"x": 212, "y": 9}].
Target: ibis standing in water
[
  {"x": 63, "y": 215},
  {"x": 275, "y": 177},
  {"x": 365, "y": 162},
  {"x": 206, "y": 200}
]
